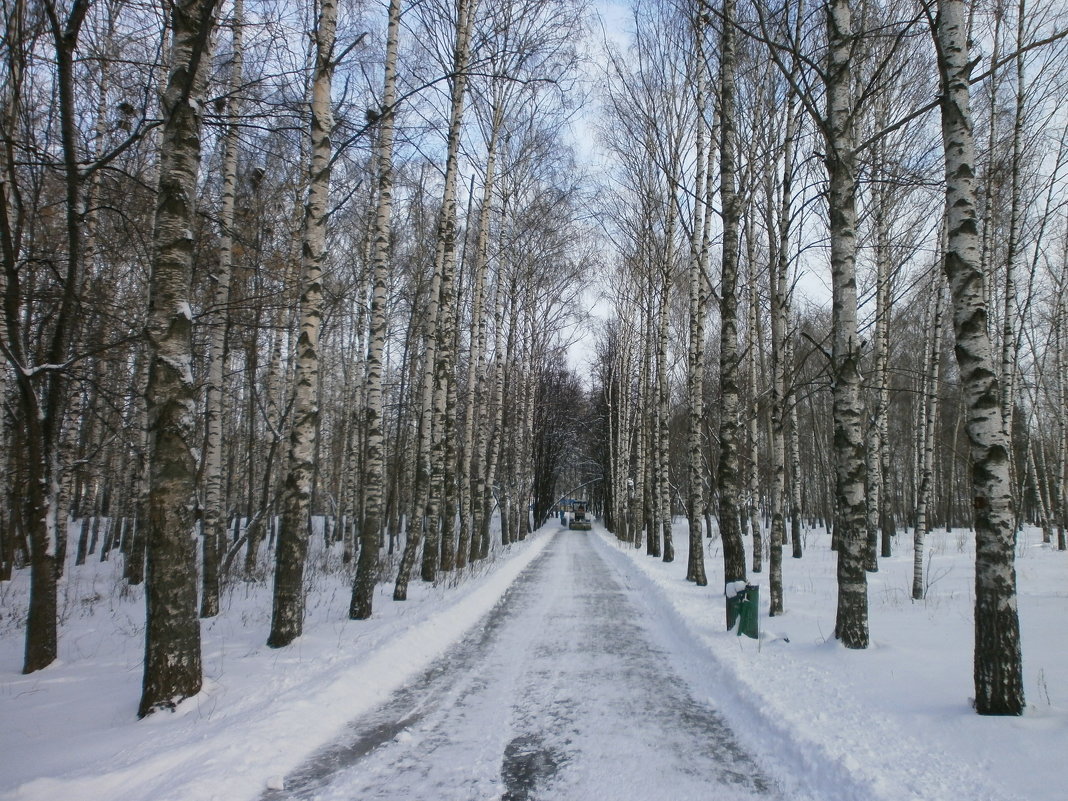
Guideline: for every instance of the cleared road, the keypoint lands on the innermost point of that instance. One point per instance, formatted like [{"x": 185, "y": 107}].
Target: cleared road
[{"x": 566, "y": 691}]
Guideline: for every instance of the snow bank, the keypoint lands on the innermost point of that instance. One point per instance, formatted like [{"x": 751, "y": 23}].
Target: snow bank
[
  {"x": 894, "y": 721},
  {"x": 70, "y": 731},
  {"x": 891, "y": 723}
]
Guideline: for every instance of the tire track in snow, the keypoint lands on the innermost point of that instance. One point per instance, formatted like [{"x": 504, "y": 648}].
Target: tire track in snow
[{"x": 561, "y": 692}]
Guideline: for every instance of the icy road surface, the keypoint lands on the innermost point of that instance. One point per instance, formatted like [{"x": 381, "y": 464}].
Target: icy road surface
[{"x": 567, "y": 690}]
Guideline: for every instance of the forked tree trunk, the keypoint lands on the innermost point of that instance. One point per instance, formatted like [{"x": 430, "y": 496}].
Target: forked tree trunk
[
  {"x": 443, "y": 425},
  {"x": 172, "y": 669},
  {"x": 287, "y": 619},
  {"x": 476, "y": 363},
  {"x": 998, "y": 671},
  {"x": 41, "y": 395}
]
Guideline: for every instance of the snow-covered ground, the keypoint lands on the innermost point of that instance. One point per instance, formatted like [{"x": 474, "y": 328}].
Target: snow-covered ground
[
  {"x": 891, "y": 722},
  {"x": 895, "y": 718}
]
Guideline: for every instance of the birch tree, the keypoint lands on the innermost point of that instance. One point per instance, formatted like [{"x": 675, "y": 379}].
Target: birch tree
[
  {"x": 698, "y": 297},
  {"x": 367, "y": 567},
  {"x": 214, "y": 512},
  {"x": 172, "y": 668},
  {"x": 851, "y": 625},
  {"x": 728, "y": 473},
  {"x": 779, "y": 265},
  {"x": 425, "y": 521},
  {"x": 930, "y": 405},
  {"x": 287, "y": 618},
  {"x": 997, "y": 657}
]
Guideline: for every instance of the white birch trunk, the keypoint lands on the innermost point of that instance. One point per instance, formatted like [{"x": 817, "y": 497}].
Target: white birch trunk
[
  {"x": 779, "y": 363},
  {"x": 753, "y": 415},
  {"x": 476, "y": 361},
  {"x": 663, "y": 463},
  {"x": 287, "y": 619},
  {"x": 172, "y": 667},
  {"x": 466, "y": 540},
  {"x": 496, "y": 425},
  {"x": 639, "y": 433},
  {"x": 923, "y": 500},
  {"x": 1062, "y": 404},
  {"x": 360, "y": 606},
  {"x": 218, "y": 324},
  {"x": 440, "y": 367},
  {"x": 1009, "y": 345},
  {"x": 729, "y": 458},
  {"x": 795, "y": 460},
  {"x": 851, "y": 625},
  {"x": 480, "y": 500},
  {"x": 699, "y": 251},
  {"x": 998, "y": 663},
  {"x": 879, "y": 476}
]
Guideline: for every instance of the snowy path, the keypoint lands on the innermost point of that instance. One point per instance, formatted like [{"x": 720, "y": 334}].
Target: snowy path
[{"x": 568, "y": 690}]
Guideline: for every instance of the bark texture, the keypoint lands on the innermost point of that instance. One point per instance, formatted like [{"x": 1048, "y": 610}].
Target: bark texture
[
  {"x": 695, "y": 564},
  {"x": 729, "y": 458},
  {"x": 998, "y": 670},
  {"x": 287, "y": 618},
  {"x": 214, "y": 513},
  {"x": 374, "y": 485},
  {"x": 851, "y": 625},
  {"x": 172, "y": 669}
]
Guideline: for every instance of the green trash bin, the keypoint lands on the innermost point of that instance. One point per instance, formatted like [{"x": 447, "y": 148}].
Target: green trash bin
[{"x": 743, "y": 603}]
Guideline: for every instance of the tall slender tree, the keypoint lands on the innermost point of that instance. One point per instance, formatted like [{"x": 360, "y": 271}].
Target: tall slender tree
[
  {"x": 287, "y": 618},
  {"x": 172, "y": 631},
  {"x": 374, "y": 471},
  {"x": 214, "y": 513},
  {"x": 851, "y": 626},
  {"x": 998, "y": 669},
  {"x": 728, "y": 472}
]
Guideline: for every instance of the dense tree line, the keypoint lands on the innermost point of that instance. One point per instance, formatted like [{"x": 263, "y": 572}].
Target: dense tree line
[
  {"x": 915, "y": 149},
  {"x": 270, "y": 263}
]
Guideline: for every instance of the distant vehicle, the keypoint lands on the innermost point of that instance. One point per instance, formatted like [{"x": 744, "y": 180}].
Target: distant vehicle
[{"x": 579, "y": 520}]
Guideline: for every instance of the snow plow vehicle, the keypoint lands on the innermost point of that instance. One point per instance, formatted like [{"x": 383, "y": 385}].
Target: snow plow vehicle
[{"x": 579, "y": 519}]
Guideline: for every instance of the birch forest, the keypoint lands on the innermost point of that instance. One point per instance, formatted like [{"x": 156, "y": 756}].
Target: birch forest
[{"x": 404, "y": 275}]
